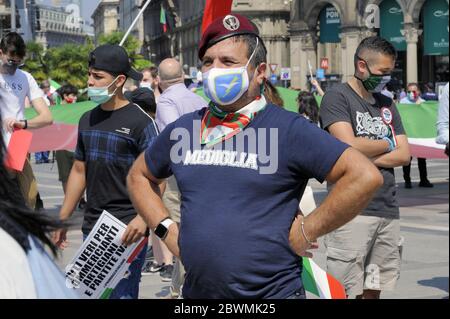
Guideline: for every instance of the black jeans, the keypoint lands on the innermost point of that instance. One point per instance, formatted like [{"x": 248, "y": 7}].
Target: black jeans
[{"x": 422, "y": 170}]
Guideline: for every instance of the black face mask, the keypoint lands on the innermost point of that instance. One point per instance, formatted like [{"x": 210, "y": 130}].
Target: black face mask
[
  {"x": 375, "y": 82},
  {"x": 10, "y": 67}
]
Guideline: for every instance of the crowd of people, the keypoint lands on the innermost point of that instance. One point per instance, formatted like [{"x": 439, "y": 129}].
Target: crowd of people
[{"x": 220, "y": 222}]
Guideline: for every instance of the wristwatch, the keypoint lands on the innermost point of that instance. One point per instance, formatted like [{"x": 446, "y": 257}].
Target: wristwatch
[
  {"x": 162, "y": 230},
  {"x": 25, "y": 124}
]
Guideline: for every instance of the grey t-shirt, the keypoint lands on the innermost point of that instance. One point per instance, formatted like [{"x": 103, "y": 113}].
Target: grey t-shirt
[{"x": 343, "y": 104}]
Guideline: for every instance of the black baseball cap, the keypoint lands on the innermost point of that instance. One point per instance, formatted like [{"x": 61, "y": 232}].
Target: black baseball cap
[{"x": 114, "y": 59}]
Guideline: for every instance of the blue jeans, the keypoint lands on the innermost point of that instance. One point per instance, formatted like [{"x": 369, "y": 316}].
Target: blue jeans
[
  {"x": 128, "y": 287},
  {"x": 41, "y": 156}
]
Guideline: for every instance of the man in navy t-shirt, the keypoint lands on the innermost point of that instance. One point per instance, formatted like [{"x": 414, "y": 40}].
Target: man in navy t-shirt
[{"x": 242, "y": 166}]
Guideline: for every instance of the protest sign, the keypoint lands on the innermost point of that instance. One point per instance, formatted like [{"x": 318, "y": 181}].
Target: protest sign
[{"x": 102, "y": 260}]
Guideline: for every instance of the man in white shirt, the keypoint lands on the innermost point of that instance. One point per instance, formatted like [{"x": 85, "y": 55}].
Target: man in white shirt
[
  {"x": 15, "y": 86},
  {"x": 442, "y": 122}
]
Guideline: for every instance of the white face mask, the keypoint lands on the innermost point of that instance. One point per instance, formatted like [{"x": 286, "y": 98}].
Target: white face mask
[
  {"x": 226, "y": 86},
  {"x": 147, "y": 85}
]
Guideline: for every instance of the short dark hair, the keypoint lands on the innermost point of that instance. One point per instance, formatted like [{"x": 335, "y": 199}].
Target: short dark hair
[
  {"x": 153, "y": 70},
  {"x": 261, "y": 52},
  {"x": 13, "y": 44},
  {"x": 414, "y": 84},
  {"x": 375, "y": 44},
  {"x": 45, "y": 84},
  {"x": 67, "y": 89}
]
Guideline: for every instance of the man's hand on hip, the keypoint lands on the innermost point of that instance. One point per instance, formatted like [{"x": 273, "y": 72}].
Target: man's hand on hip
[{"x": 297, "y": 239}]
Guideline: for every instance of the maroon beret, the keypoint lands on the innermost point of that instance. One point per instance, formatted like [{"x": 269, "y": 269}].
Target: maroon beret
[{"x": 226, "y": 27}]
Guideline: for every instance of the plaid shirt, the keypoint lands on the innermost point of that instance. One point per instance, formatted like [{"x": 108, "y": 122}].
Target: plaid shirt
[{"x": 108, "y": 144}]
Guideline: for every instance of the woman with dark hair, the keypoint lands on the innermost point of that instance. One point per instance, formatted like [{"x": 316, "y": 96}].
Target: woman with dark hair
[
  {"x": 308, "y": 107},
  {"x": 26, "y": 270}
]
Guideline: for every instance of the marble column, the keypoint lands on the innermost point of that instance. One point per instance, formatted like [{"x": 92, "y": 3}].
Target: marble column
[
  {"x": 411, "y": 35},
  {"x": 303, "y": 49}
]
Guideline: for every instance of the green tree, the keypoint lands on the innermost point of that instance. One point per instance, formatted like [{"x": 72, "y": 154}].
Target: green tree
[
  {"x": 35, "y": 61},
  {"x": 131, "y": 45},
  {"x": 68, "y": 64}
]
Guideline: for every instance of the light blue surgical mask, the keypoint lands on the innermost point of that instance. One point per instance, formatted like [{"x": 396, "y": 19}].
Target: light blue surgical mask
[
  {"x": 226, "y": 86},
  {"x": 101, "y": 95}
]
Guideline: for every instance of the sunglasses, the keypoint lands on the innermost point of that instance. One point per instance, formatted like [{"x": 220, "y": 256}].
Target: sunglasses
[{"x": 15, "y": 63}]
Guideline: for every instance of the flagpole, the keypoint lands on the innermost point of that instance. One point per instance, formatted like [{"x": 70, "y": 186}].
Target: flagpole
[{"x": 134, "y": 22}]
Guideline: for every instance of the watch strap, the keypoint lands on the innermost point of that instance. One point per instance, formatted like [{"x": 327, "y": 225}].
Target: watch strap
[{"x": 167, "y": 222}]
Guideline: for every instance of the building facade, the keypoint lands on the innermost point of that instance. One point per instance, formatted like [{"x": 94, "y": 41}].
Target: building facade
[
  {"x": 332, "y": 30},
  {"x": 128, "y": 11},
  {"x": 184, "y": 19},
  {"x": 5, "y": 17},
  {"x": 106, "y": 17},
  {"x": 53, "y": 26},
  {"x": 23, "y": 17}
]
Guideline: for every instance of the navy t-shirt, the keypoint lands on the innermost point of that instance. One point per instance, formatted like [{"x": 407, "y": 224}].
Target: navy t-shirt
[{"x": 239, "y": 199}]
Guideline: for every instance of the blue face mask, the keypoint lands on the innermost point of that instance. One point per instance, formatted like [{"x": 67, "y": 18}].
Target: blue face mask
[
  {"x": 101, "y": 95},
  {"x": 226, "y": 86}
]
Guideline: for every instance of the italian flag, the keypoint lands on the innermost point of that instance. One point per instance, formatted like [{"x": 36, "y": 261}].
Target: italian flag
[
  {"x": 419, "y": 122},
  {"x": 54, "y": 86},
  {"x": 108, "y": 291},
  {"x": 215, "y": 9},
  {"x": 63, "y": 133},
  {"x": 163, "y": 19},
  {"x": 319, "y": 283}
]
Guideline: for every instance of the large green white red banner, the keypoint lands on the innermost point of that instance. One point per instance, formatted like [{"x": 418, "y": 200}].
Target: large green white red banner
[{"x": 419, "y": 122}]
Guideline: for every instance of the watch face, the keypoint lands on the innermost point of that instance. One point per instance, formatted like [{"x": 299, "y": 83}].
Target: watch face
[{"x": 161, "y": 231}]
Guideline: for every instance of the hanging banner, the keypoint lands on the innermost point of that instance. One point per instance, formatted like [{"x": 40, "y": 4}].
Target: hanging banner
[
  {"x": 330, "y": 25},
  {"x": 435, "y": 20},
  {"x": 391, "y": 24}
]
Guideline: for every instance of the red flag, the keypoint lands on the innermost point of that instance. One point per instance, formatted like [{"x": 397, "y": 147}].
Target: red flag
[
  {"x": 215, "y": 9},
  {"x": 18, "y": 147}
]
